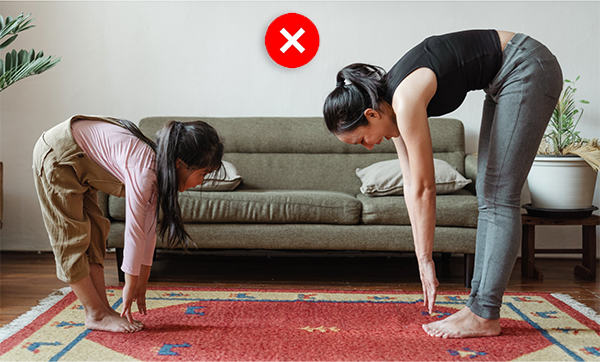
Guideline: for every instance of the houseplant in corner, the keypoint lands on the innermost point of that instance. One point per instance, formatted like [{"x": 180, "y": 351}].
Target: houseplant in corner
[
  {"x": 22, "y": 64},
  {"x": 563, "y": 175},
  {"x": 19, "y": 65}
]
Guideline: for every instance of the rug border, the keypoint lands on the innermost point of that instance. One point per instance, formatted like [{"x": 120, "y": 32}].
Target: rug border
[
  {"x": 581, "y": 308},
  {"x": 575, "y": 309},
  {"x": 28, "y": 317}
]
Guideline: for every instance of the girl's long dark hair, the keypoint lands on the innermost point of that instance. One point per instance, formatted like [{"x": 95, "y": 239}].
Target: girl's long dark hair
[
  {"x": 131, "y": 127},
  {"x": 359, "y": 86},
  {"x": 195, "y": 143}
]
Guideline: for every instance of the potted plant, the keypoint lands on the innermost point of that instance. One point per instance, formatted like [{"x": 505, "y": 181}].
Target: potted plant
[{"x": 563, "y": 175}]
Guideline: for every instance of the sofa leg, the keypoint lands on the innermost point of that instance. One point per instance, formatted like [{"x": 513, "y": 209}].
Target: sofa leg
[
  {"x": 120, "y": 273},
  {"x": 469, "y": 267}
]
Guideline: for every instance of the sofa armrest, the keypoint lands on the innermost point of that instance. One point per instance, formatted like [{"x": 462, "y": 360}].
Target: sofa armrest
[{"x": 471, "y": 172}]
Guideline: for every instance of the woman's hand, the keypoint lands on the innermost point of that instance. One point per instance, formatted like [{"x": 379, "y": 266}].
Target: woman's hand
[{"x": 429, "y": 283}]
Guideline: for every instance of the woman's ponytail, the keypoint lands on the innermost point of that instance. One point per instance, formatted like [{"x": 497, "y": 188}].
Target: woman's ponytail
[{"x": 359, "y": 86}]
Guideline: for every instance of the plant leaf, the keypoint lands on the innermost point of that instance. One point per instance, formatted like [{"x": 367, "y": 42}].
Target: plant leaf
[
  {"x": 16, "y": 25},
  {"x": 588, "y": 150},
  {"x": 7, "y": 42},
  {"x": 16, "y": 69}
]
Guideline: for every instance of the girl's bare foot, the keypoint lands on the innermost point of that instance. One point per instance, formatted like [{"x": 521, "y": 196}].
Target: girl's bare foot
[
  {"x": 110, "y": 322},
  {"x": 135, "y": 321},
  {"x": 98, "y": 314},
  {"x": 463, "y": 324}
]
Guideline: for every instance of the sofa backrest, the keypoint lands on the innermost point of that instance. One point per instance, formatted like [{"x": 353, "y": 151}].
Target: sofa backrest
[{"x": 299, "y": 153}]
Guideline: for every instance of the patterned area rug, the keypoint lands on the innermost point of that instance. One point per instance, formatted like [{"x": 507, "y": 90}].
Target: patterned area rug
[{"x": 194, "y": 324}]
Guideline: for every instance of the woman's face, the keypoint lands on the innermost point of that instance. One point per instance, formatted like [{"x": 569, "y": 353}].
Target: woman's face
[
  {"x": 382, "y": 124},
  {"x": 190, "y": 178}
]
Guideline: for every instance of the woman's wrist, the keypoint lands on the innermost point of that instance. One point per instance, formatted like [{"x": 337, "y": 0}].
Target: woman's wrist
[{"x": 425, "y": 258}]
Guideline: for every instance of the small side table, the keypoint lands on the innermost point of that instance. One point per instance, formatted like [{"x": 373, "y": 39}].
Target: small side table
[{"x": 587, "y": 270}]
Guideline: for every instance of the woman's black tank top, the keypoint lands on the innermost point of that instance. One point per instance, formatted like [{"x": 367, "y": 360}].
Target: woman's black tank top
[{"x": 462, "y": 62}]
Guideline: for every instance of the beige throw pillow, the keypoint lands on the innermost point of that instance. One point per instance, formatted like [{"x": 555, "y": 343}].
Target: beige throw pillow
[
  {"x": 385, "y": 178},
  {"x": 225, "y": 180}
]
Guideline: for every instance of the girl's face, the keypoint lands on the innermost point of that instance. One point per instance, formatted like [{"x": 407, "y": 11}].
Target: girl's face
[
  {"x": 189, "y": 178},
  {"x": 382, "y": 124}
]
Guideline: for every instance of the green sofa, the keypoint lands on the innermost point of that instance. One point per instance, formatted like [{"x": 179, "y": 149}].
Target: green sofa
[{"x": 300, "y": 192}]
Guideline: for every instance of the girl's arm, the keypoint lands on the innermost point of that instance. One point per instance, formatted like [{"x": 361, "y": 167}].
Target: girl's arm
[
  {"x": 140, "y": 237},
  {"x": 415, "y": 153}
]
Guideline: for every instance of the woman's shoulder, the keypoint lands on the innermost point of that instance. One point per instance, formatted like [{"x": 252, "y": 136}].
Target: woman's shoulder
[{"x": 417, "y": 88}]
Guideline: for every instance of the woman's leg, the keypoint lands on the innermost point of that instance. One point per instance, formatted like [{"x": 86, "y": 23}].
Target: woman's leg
[
  {"x": 525, "y": 96},
  {"x": 465, "y": 320},
  {"x": 489, "y": 111}
]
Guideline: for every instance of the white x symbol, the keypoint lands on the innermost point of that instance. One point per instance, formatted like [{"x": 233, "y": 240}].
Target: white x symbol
[{"x": 292, "y": 40}]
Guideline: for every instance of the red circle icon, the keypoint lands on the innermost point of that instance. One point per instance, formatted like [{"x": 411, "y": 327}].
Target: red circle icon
[{"x": 292, "y": 40}]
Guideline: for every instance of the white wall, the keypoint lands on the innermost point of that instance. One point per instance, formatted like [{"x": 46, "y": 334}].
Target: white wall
[{"x": 137, "y": 59}]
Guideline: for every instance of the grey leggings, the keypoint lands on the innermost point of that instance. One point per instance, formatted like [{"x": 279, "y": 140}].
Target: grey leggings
[{"x": 517, "y": 109}]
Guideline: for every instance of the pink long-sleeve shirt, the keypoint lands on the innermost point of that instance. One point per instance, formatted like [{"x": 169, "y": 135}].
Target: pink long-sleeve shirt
[{"x": 133, "y": 162}]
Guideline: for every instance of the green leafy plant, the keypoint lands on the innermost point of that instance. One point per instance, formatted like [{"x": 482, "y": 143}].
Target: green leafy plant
[
  {"x": 562, "y": 137},
  {"x": 22, "y": 64}
]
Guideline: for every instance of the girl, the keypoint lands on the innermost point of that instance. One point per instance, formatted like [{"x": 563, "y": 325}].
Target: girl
[
  {"x": 84, "y": 154},
  {"x": 522, "y": 81}
]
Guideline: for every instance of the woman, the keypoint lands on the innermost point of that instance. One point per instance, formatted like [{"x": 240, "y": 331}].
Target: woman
[
  {"x": 522, "y": 81},
  {"x": 84, "y": 154}
]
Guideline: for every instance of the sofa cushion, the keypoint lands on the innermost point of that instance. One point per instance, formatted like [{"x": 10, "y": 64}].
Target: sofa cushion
[
  {"x": 311, "y": 237},
  {"x": 319, "y": 207},
  {"x": 456, "y": 209},
  {"x": 385, "y": 178},
  {"x": 225, "y": 179}
]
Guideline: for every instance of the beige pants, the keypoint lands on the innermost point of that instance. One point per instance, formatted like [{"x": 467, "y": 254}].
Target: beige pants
[{"x": 67, "y": 182}]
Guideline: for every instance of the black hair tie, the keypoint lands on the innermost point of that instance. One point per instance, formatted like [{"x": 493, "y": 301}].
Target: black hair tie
[{"x": 340, "y": 83}]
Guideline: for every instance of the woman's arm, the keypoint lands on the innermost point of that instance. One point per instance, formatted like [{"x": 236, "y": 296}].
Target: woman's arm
[{"x": 415, "y": 153}]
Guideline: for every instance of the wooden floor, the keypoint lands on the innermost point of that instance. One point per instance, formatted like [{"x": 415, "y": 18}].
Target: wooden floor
[{"x": 25, "y": 278}]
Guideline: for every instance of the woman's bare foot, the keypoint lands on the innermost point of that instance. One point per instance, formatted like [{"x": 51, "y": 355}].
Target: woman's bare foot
[
  {"x": 463, "y": 324},
  {"x": 110, "y": 322}
]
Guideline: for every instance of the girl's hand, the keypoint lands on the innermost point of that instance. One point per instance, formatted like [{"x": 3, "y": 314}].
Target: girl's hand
[
  {"x": 129, "y": 295},
  {"x": 429, "y": 283},
  {"x": 142, "y": 285}
]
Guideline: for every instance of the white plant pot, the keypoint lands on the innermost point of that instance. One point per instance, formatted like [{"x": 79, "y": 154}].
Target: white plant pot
[{"x": 561, "y": 182}]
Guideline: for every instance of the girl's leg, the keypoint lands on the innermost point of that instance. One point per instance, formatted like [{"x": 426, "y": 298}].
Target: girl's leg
[
  {"x": 98, "y": 315},
  {"x": 68, "y": 220},
  {"x": 99, "y": 227},
  {"x": 97, "y": 275}
]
